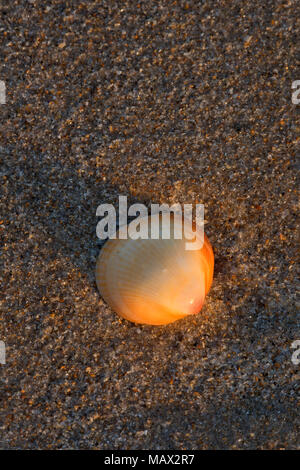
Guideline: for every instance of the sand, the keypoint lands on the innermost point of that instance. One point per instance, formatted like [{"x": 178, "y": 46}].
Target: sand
[{"x": 182, "y": 101}]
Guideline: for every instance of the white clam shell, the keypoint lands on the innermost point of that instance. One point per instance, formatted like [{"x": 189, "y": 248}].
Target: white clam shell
[{"x": 154, "y": 281}]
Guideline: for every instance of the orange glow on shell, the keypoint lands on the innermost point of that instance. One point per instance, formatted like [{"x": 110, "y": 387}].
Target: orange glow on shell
[{"x": 154, "y": 281}]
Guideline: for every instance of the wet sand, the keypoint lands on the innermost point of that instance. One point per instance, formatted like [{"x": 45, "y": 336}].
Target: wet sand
[{"x": 183, "y": 101}]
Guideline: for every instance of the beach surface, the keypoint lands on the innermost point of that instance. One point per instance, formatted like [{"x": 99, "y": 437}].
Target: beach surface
[{"x": 182, "y": 101}]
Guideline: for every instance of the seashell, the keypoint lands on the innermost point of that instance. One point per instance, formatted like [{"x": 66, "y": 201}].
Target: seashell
[{"x": 154, "y": 281}]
